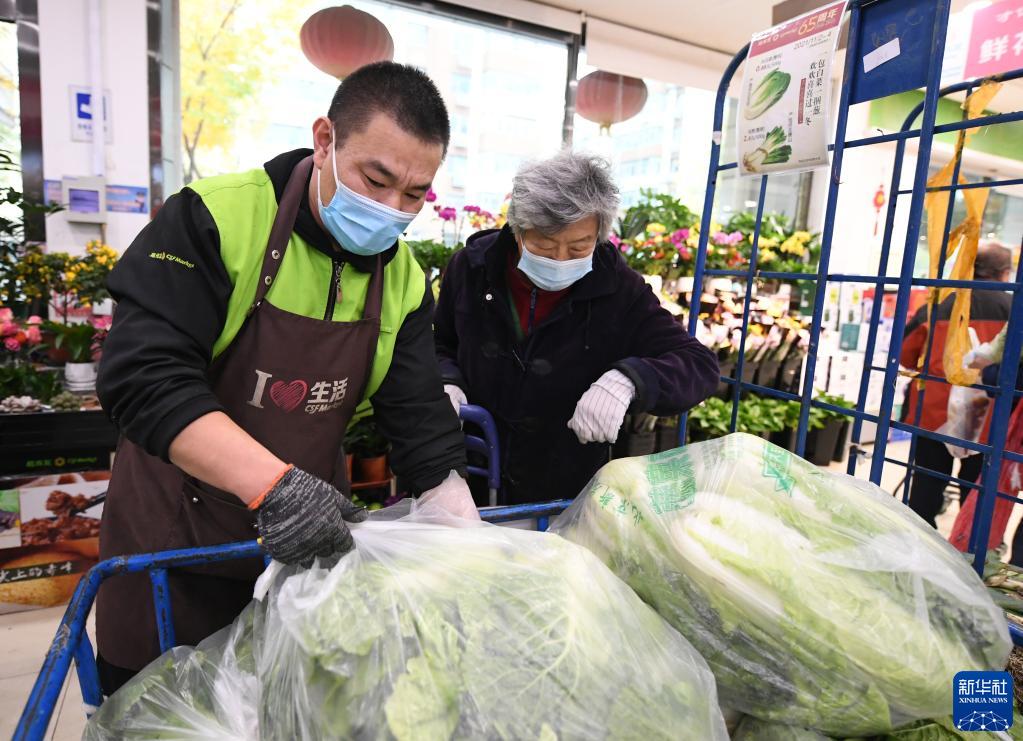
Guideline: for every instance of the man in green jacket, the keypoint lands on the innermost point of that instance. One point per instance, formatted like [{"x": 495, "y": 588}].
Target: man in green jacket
[{"x": 257, "y": 315}]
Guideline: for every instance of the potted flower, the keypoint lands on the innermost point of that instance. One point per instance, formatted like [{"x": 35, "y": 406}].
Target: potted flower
[
  {"x": 81, "y": 342},
  {"x": 369, "y": 447},
  {"x": 19, "y": 376}
]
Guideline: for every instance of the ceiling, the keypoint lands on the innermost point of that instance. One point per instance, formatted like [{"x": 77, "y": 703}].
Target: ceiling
[
  {"x": 723, "y": 25},
  {"x": 725, "y": 28}
]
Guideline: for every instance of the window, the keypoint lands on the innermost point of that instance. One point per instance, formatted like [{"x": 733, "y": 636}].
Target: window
[
  {"x": 664, "y": 148},
  {"x": 461, "y": 84},
  {"x": 509, "y": 85},
  {"x": 10, "y": 118},
  {"x": 457, "y": 165}
]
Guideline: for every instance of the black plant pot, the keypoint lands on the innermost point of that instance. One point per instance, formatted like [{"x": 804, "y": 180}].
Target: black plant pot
[
  {"x": 820, "y": 444},
  {"x": 788, "y": 377},
  {"x": 696, "y": 435},
  {"x": 667, "y": 437},
  {"x": 631, "y": 444},
  {"x": 842, "y": 442},
  {"x": 749, "y": 372},
  {"x": 767, "y": 375},
  {"x": 784, "y": 439},
  {"x": 727, "y": 369}
]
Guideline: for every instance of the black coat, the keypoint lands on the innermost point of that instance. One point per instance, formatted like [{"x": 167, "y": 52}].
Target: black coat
[{"x": 609, "y": 320}]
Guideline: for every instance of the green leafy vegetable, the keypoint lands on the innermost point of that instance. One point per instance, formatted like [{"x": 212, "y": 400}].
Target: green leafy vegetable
[
  {"x": 817, "y": 599},
  {"x": 751, "y": 729},
  {"x": 432, "y": 632},
  {"x": 774, "y": 151},
  {"x": 767, "y": 93}
]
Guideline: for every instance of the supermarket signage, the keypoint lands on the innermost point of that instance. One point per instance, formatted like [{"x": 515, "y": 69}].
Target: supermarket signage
[
  {"x": 84, "y": 112},
  {"x": 996, "y": 40},
  {"x": 786, "y": 88},
  {"x": 982, "y": 701}
]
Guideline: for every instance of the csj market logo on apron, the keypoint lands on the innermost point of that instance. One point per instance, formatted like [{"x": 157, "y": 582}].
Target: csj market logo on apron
[
  {"x": 321, "y": 396},
  {"x": 982, "y": 701}
]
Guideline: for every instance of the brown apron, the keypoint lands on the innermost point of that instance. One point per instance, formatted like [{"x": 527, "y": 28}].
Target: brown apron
[{"x": 291, "y": 382}]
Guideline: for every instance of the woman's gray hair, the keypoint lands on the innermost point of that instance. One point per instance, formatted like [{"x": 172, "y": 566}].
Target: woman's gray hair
[{"x": 549, "y": 195}]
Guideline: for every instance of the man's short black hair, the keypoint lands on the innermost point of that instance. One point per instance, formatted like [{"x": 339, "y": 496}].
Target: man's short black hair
[
  {"x": 404, "y": 93},
  {"x": 993, "y": 261}
]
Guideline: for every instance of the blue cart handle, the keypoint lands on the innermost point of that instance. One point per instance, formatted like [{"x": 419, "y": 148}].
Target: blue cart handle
[{"x": 488, "y": 446}]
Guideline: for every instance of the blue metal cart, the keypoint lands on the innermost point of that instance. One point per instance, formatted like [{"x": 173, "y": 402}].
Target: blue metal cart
[
  {"x": 921, "y": 26},
  {"x": 72, "y": 641}
]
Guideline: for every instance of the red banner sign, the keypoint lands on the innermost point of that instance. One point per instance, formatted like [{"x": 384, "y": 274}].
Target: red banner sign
[{"x": 996, "y": 41}]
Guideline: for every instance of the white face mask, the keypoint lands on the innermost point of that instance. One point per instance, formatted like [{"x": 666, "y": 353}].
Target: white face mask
[{"x": 553, "y": 275}]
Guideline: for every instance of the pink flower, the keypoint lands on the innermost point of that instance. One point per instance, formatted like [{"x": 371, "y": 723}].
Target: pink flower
[
  {"x": 8, "y": 328},
  {"x": 34, "y": 335},
  {"x": 448, "y": 213},
  {"x": 430, "y": 196},
  {"x": 684, "y": 252},
  {"x": 101, "y": 322},
  {"x": 6, "y": 315},
  {"x": 614, "y": 239},
  {"x": 471, "y": 209},
  {"x": 487, "y": 215},
  {"x": 12, "y": 344},
  {"x": 735, "y": 237},
  {"x": 34, "y": 320},
  {"x": 679, "y": 236},
  {"x": 720, "y": 238}
]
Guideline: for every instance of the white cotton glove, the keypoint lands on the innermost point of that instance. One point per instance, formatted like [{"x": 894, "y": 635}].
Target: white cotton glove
[
  {"x": 456, "y": 395},
  {"x": 451, "y": 497},
  {"x": 601, "y": 410}
]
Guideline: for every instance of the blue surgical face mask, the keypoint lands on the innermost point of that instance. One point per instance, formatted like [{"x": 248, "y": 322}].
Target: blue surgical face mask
[
  {"x": 359, "y": 224},
  {"x": 553, "y": 275}
]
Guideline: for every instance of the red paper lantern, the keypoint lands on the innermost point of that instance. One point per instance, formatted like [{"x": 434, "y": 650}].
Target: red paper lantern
[
  {"x": 606, "y": 98},
  {"x": 339, "y": 40}
]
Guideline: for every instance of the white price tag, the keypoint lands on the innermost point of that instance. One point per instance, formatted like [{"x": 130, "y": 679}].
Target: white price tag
[{"x": 880, "y": 55}]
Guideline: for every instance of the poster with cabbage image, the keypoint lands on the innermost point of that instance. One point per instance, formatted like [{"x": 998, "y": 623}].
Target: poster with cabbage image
[{"x": 786, "y": 88}]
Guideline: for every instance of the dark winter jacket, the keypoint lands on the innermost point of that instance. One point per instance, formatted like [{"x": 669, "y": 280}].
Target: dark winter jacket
[
  {"x": 609, "y": 320},
  {"x": 152, "y": 380}
]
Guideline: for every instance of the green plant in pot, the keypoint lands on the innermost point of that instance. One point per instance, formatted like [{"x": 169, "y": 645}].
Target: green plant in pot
[
  {"x": 709, "y": 420},
  {"x": 80, "y": 343},
  {"x": 369, "y": 447}
]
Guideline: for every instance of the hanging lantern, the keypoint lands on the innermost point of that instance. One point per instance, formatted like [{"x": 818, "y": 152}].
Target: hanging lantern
[
  {"x": 339, "y": 40},
  {"x": 879, "y": 202},
  {"x": 606, "y": 98}
]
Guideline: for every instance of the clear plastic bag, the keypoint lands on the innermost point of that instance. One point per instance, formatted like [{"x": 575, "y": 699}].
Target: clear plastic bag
[
  {"x": 428, "y": 631},
  {"x": 967, "y": 409},
  {"x": 752, "y": 729},
  {"x": 816, "y": 598}
]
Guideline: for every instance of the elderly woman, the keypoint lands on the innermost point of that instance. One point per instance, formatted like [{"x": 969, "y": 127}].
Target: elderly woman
[{"x": 544, "y": 325}]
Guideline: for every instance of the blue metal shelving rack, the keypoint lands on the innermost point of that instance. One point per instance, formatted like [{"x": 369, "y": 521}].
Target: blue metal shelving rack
[{"x": 926, "y": 56}]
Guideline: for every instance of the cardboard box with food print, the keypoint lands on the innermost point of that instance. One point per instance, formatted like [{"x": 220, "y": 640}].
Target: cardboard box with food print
[{"x": 50, "y": 538}]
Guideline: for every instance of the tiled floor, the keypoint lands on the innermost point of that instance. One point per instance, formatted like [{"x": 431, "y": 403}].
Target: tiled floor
[{"x": 24, "y": 638}]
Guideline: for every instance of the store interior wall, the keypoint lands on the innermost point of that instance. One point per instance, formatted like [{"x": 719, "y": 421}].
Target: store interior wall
[{"x": 64, "y": 62}]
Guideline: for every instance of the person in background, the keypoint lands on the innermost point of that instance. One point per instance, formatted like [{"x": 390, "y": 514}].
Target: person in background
[
  {"x": 989, "y": 310},
  {"x": 544, "y": 325},
  {"x": 255, "y": 314}
]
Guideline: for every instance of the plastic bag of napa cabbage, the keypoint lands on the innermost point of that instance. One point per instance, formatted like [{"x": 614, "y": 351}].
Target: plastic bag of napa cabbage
[
  {"x": 816, "y": 598},
  {"x": 428, "y": 631}
]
